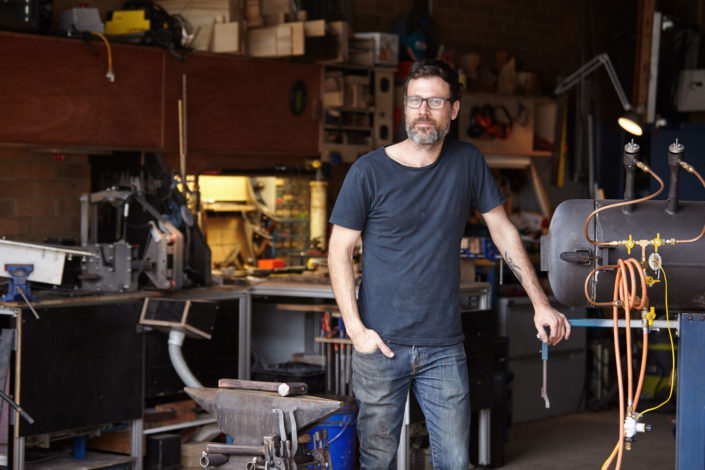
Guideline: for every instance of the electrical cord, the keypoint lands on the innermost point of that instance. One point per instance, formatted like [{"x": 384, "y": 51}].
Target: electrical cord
[
  {"x": 109, "y": 74},
  {"x": 673, "y": 353}
]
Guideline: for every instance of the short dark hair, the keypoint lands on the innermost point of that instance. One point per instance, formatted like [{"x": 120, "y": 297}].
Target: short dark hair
[{"x": 435, "y": 68}]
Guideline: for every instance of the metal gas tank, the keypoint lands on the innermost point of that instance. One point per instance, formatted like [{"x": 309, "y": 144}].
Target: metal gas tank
[{"x": 569, "y": 258}]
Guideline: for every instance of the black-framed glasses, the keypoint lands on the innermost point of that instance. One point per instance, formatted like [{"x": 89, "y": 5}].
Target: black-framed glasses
[{"x": 434, "y": 102}]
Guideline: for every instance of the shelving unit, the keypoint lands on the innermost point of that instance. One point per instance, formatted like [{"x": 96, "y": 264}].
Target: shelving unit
[
  {"x": 291, "y": 235},
  {"x": 358, "y": 109}
]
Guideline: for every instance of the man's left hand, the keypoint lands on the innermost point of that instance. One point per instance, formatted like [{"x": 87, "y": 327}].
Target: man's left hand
[{"x": 547, "y": 316}]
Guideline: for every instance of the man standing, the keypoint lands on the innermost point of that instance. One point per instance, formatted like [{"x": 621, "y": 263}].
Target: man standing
[{"x": 409, "y": 202}]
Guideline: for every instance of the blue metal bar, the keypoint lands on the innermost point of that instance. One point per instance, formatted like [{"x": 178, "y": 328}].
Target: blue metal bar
[
  {"x": 607, "y": 323},
  {"x": 690, "y": 414}
]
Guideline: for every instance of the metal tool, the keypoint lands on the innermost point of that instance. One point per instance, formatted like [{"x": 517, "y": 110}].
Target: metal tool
[
  {"x": 544, "y": 364},
  {"x": 262, "y": 440},
  {"x": 284, "y": 389},
  {"x": 544, "y": 386},
  {"x": 36, "y": 262}
]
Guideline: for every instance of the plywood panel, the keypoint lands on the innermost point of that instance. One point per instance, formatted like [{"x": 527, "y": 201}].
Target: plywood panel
[
  {"x": 244, "y": 106},
  {"x": 55, "y": 92}
]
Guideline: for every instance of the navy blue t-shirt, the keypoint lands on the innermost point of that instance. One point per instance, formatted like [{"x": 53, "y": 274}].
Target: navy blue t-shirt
[{"x": 412, "y": 221}]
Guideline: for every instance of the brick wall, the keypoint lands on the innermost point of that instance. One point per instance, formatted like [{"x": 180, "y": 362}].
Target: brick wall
[{"x": 40, "y": 194}]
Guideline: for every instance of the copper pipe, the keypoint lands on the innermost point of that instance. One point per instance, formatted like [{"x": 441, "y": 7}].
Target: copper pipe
[
  {"x": 642, "y": 372},
  {"x": 620, "y": 204},
  {"x": 587, "y": 281},
  {"x": 626, "y": 304},
  {"x": 620, "y": 382}
]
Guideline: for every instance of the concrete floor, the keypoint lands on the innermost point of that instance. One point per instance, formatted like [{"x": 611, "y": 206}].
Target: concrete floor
[{"x": 583, "y": 442}]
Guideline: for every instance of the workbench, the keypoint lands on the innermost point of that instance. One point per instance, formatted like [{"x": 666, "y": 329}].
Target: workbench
[
  {"x": 87, "y": 364},
  {"x": 52, "y": 379}
]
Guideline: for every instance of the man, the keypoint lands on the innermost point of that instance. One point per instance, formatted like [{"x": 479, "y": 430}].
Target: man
[{"x": 409, "y": 202}]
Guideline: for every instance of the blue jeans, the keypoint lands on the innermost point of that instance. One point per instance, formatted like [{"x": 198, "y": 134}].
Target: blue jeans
[{"x": 438, "y": 377}]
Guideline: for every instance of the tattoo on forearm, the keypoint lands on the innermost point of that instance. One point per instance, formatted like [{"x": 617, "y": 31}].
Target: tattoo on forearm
[{"x": 513, "y": 266}]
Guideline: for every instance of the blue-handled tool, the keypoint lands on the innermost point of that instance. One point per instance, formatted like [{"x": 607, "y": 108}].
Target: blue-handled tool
[
  {"x": 544, "y": 387},
  {"x": 544, "y": 363}
]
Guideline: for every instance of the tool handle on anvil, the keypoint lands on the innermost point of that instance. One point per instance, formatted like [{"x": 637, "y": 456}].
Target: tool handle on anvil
[
  {"x": 283, "y": 388},
  {"x": 234, "y": 449}
]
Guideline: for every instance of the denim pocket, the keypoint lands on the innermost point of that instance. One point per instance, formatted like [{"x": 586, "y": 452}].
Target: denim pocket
[{"x": 371, "y": 353}]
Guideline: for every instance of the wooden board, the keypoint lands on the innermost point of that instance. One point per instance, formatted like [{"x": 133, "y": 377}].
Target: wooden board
[
  {"x": 112, "y": 441},
  {"x": 642, "y": 59},
  {"x": 123, "y": 114}
]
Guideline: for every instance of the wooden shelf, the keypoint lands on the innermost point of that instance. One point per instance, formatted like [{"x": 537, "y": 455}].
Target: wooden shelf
[
  {"x": 333, "y": 127},
  {"x": 353, "y": 109},
  {"x": 93, "y": 460}
]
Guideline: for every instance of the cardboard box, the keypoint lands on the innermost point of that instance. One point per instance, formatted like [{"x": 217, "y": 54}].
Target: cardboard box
[
  {"x": 361, "y": 51},
  {"x": 226, "y": 37},
  {"x": 253, "y": 13},
  {"x": 191, "y": 454},
  {"x": 340, "y": 30},
  {"x": 386, "y": 47},
  {"x": 315, "y": 28},
  {"x": 281, "y": 40},
  {"x": 690, "y": 93},
  {"x": 333, "y": 93},
  {"x": 357, "y": 91}
]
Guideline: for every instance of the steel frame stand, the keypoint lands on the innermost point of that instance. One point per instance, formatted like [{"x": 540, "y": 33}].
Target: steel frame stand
[{"x": 690, "y": 414}]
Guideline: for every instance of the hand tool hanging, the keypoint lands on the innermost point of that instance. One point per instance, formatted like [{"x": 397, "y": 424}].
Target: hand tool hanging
[{"x": 183, "y": 131}]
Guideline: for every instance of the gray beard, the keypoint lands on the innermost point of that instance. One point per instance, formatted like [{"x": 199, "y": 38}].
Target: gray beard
[{"x": 427, "y": 138}]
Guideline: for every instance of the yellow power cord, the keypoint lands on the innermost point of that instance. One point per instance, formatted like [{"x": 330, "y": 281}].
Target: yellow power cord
[
  {"x": 109, "y": 74},
  {"x": 673, "y": 366},
  {"x": 673, "y": 353}
]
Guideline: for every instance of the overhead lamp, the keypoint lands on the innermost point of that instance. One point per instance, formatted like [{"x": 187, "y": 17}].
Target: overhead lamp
[{"x": 630, "y": 121}]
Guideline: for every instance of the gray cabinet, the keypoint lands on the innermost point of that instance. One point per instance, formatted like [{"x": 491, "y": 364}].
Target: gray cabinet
[{"x": 566, "y": 362}]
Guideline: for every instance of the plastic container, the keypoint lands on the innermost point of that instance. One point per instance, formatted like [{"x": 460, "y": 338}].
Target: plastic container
[{"x": 342, "y": 435}]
